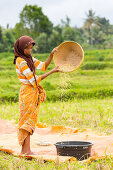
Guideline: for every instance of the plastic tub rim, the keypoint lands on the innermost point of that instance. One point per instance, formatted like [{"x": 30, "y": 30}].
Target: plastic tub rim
[{"x": 66, "y": 145}]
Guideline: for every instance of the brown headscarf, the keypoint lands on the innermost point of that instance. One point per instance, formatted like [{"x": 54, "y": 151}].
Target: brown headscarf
[{"x": 19, "y": 47}]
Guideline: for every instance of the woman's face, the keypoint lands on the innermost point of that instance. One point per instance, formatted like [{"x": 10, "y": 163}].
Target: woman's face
[{"x": 28, "y": 50}]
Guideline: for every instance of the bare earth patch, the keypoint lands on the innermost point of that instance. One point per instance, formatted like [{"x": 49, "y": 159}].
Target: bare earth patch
[{"x": 44, "y": 138}]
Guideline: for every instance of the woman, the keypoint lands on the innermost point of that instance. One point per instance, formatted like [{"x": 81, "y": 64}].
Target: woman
[{"x": 31, "y": 93}]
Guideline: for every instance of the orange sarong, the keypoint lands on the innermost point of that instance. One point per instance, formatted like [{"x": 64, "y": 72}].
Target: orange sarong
[{"x": 29, "y": 102}]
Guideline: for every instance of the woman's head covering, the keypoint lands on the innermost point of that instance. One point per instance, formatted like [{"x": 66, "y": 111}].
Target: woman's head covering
[{"x": 19, "y": 47}]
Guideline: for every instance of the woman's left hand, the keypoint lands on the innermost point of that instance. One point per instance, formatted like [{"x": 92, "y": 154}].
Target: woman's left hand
[
  {"x": 53, "y": 51},
  {"x": 48, "y": 61}
]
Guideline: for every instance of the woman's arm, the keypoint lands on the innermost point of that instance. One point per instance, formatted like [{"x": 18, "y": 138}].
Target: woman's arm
[
  {"x": 48, "y": 61},
  {"x": 43, "y": 76}
]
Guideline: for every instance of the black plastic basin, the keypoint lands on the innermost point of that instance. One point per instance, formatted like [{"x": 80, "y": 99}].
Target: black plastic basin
[{"x": 79, "y": 149}]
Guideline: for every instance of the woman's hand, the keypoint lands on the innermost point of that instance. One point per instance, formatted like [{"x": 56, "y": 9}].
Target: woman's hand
[
  {"x": 53, "y": 51},
  {"x": 56, "y": 69},
  {"x": 48, "y": 61}
]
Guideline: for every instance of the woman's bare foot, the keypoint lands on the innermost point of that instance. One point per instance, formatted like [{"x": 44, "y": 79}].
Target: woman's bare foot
[
  {"x": 27, "y": 153},
  {"x": 26, "y": 147},
  {"x": 32, "y": 153}
]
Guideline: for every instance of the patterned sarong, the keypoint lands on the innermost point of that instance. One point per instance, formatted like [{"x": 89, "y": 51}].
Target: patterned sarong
[{"x": 29, "y": 102}]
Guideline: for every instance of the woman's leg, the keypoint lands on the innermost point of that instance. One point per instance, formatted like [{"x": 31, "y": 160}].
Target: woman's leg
[{"x": 26, "y": 146}]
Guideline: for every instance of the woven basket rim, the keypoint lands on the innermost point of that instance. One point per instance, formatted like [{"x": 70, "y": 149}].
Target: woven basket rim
[{"x": 74, "y": 43}]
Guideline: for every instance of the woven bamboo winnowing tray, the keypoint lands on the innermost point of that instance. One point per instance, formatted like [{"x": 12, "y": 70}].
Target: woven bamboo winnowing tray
[{"x": 69, "y": 56}]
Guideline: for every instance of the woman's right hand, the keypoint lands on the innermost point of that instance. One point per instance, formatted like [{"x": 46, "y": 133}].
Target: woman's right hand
[{"x": 56, "y": 69}]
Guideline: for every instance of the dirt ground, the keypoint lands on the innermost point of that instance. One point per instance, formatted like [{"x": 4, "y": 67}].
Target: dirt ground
[{"x": 44, "y": 138}]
